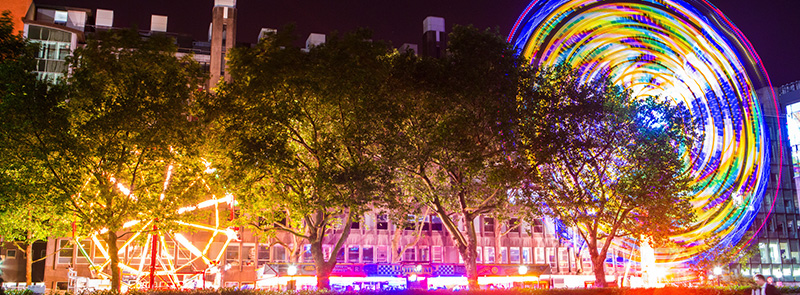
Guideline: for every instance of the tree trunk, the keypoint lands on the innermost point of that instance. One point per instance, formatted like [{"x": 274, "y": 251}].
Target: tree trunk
[
  {"x": 498, "y": 235},
  {"x": 471, "y": 257},
  {"x": 29, "y": 260},
  {"x": 116, "y": 278},
  {"x": 598, "y": 265},
  {"x": 396, "y": 251},
  {"x": 321, "y": 265}
]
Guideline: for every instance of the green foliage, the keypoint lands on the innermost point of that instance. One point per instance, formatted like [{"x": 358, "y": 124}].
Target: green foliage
[
  {"x": 299, "y": 131},
  {"x": 610, "y": 163}
]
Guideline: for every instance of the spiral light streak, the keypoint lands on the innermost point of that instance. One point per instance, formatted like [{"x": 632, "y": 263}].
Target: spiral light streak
[{"x": 690, "y": 54}]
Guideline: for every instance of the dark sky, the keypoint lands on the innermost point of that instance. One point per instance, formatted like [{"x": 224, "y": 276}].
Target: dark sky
[{"x": 772, "y": 26}]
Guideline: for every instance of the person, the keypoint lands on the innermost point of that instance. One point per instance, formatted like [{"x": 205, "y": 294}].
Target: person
[
  {"x": 2, "y": 289},
  {"x": 764, "y": 287}
]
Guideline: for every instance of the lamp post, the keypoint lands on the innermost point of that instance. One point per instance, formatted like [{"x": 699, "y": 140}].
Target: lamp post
[
  {"x": 291, "y": 271},
  {"x": 718, "y": 274}
]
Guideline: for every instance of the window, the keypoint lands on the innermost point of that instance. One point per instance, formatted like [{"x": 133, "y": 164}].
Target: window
[
  {"x": 367, "y": 254},
  {"x": 489, "y": 255},
  {"x": 263, "y": 255},
  {"x": 382, "y": 254},
  {"x": 232, "y": 255},
  {"x": 437, "y": 254},
  {"x": 383, "y": 222},
  {"x": 436, "y": 223},
  {"x": 66, "y": 252},
  {"x": 538, "y": 226},
  {"x": 551, "y": 257},
  {"x": 410, "y": 254},
  {"x": 563, "y": 258},
  {"x": 307, "y": 255},
  {"x": 514, "y": 225},
  {"x": 352, "y": 254},
  {"x": 248, "y": 255},
  {"x": 488, "y": 225},
  {"x": 424, "y": 254},
  {"x": 503, "y": 255},
  {"x": 354, "y": 225},
  {"x": 11, "y": 254},
  {"x": 340, "y": 255},
  {"x": 280, "y": 254},
  {"x": 539, "y": 255},
  {"x": 84, "y": 251}
]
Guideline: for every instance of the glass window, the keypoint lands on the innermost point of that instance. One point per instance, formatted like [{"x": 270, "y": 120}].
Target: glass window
[
  {"x": 538, "y": 226},
  {"x": 84, "y": 252},
  {"x": 551, "y": 257},
  {"x": 479, "y": 257},
  {"x": 352, "y": 254},
  {"x": 488, "y": 225},
  {"x": 340, "y": 255},
  {"x": 248, "y": 255},
  {"x": 424, "y": 254},
  {"x": 526, "y": 255},
  {"x": 66, "y": 252},
  {"x": 489, "y": 254},
  {"x": 514, "y": 255},
  {"x": 437, "y": 254},
  {"x": 232, "y": 255},
  {"x": 263, "y": 255},
  {"x": 280, "y": 253},
  {"x": 383, "y": 222},
  {"x": 436, "y": 223},
  {"x": 382, "y": 254},
  {"x": 514, "y": 225},
  {"x": 410, "y": 254},
  {"x": 563, "y": 258},
  {"x": 540, "y": 255},
  {"x": 307, "y": 255},
  {"x": 503, "y": 255},
  {"x": 367, "y": 254},
  {"x": 355, "y": 225}
]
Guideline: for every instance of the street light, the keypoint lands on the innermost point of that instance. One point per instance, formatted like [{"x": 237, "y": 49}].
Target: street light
[
  {"x": 718, "y": 273},
  {"x": 291, "y": 271},
  {"x": 522, "y": 269}
]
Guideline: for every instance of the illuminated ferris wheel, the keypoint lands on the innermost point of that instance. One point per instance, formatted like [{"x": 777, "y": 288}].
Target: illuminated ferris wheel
[{"x": 166, "y": 258}]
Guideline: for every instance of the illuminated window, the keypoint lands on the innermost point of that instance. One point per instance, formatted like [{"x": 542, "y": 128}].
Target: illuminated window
[
  {"x": 437, "y": 254},
  {"x": 66, "y": 252},
  {"x": 410, "y": 254},
  {"x": 248, "y": 255},
  {"x": 479, "y": 258},
  {"x": 352, "y": 254},
  {"x": 424, "y": 254},
  {"x": 263, "y": 255},
  {"x": 280, "y": 254},
  {"x": 526, "y": 255},
  {"x": 340, "y": 255},
  {"x": 382, "y": 254},
  {"x": 367, "y": 254},
  {"x": 232, "y": 255},
  {"x": 84, "y": 252},
  {"x": 539, "y": 255},
  {"x": 489, "y": 255},
  {"x": 514, "y": 255},
  {"x": 307, "y": 255}
]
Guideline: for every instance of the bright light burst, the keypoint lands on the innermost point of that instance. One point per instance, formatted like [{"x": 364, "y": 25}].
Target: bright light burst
[{"x": 688, "y": 52}]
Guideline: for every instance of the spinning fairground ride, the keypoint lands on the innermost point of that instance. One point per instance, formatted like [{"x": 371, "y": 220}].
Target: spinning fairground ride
[
  {"x": 689, "y": 53},
  {"x": 165, "y": 259}
]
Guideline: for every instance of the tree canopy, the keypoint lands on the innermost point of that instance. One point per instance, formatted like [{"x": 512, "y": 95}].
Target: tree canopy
[{"x": 617, "y": 170}]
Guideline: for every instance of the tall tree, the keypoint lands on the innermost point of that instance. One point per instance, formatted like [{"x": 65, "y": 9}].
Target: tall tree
[
  {"x": 119, "y": 145},
  {"x": 616, "y": 168},
  {"x": 299, "y": 128},
  {"x": 453, "y": 135},
  {"x": 29, "y": 209}
]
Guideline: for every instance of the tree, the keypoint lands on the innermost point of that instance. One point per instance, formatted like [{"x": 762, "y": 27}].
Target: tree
[
  {"x": 614, "y": 167},
  {"x": 118, "y": 145},
  {"x": 29, "y": 210},
  {"x": 453, "y": 137},
  {"x": 299, "y": 130}
]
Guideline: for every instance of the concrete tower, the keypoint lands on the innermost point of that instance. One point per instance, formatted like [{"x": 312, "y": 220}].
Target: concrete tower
[
  {"x": 433, "y": 37},
  {"x": 222, "y": 37}
]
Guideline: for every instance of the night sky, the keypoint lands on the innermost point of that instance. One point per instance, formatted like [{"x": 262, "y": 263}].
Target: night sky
[{"x": 772, "y": 26}]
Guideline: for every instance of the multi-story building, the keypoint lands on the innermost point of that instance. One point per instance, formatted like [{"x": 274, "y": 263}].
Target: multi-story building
[{"x": 777, "y": 249}]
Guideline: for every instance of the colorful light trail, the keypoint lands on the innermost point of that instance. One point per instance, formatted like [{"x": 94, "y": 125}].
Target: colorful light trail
[{"x": 689, "y": 53}]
